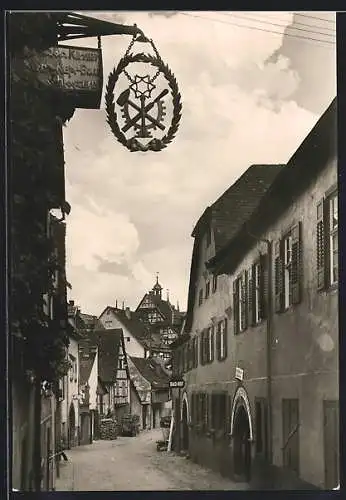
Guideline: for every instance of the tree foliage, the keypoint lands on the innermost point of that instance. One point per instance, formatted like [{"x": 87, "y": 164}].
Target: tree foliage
[{"x": 36, "y": 161}]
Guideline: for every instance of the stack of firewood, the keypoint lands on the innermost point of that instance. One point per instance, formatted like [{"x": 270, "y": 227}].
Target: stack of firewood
[{"x": 108, "y": 429}]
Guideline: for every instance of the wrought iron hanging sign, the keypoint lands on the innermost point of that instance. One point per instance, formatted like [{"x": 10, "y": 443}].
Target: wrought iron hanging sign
[{"x": 142, "y": 104}]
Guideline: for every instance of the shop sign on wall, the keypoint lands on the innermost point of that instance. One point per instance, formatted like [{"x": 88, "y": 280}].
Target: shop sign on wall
[{"x": 75, "y": 70}]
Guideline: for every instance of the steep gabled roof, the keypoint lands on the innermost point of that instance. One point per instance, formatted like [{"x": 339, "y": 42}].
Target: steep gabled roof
[
  {"x": 310, "y": 158},
  {"x": 133, "y": 324},
  {"x": 238, "y": 202},
  {"x": 108, "y": 342},
  {"x": 227, "y": 214},
  {"x": 91, "y": 322},
  {"x": 152, "y": 372}
]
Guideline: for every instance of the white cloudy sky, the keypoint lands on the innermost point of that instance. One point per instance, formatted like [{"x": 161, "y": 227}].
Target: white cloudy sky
[{"x": 249, "y": 96}]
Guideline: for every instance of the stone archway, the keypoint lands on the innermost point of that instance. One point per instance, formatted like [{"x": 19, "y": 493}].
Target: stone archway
[
  {"x": 71, "y": 426},
  {"x": 242, "y": 434}
]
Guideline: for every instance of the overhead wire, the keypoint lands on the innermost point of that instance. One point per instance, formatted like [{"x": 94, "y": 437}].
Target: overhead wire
[
  {"x": 281, "y": 25},
  {"x": 306, "y": 38},
  {"x": 266, "y": 21},
  {"x": 315, "y": 17}
]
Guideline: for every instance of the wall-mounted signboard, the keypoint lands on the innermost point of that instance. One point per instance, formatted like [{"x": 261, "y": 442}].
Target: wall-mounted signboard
[
  {"x": 176, "y": 384},
  {"x": 76, "y": 71},
  {"x": 239, "y": 373}
]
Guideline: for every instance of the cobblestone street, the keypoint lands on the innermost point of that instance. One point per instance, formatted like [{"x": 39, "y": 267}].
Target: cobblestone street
[{"x": 134, "y": 464}]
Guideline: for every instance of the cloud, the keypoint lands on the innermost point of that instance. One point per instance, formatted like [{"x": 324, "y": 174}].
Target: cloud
[{"x": 133, "y": 213}]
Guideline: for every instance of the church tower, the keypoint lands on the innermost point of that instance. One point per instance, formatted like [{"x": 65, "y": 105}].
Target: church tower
[{"x": 157, "y": 288}]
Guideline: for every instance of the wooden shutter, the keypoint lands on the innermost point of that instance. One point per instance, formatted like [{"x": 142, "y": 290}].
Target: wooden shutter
[
  {"x": 321, "y": 246},
  {"x": 236, "y": 318},
  {"x": 218, "y": 341},
  {"x": 264, "y": 286},
  {"x": 212, "y": 343},
  {"x": 245, "y": 299},
  {"x": 296, "y": 263},
  {"x": 279, "y": 282},
  {"x": 201, "y": 347},
  {"x": 250, "y": 296},
  {"x": 225, "y": 339}
]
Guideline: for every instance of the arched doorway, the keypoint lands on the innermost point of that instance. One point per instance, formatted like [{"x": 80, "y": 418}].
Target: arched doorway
[
  {"x": 185, "y": 427},
  {"x": 71, "y": 426},
  {"x": 241, "y": 444}
]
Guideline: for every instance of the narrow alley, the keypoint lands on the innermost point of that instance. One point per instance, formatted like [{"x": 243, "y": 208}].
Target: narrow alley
[{"x": 133, "y": 464}]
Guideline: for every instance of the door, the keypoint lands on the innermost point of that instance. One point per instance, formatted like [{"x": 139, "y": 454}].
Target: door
[
  {"x": 241, "y": 445},
  {"x": 331, "y": 444},
  {"x": 144, "y": 415},
  {"x": 185, "y": 429}
]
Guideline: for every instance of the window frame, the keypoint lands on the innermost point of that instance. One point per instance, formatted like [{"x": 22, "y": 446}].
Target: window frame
[
  {"x": 257, "y": 291},
  {"x": 215, "y": 280},
  {"x": 287, "y": 270},
  {"x": 240, "y": 295},
  {"x": 332, "y": 199},
  {"x": 207, "y": 290}
]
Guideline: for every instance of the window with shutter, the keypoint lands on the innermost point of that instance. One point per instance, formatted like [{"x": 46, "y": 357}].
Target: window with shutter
[
  {"x": 250, "y": 296},
  {"x": 296, "y": 274},
  {"x": 206, "y": 346},
  {"x": 201, "y": 347},
  {"x": 218, "y": 341},
  {"x": 263, "y": 298},
  {"x": 287, "y": 271},
  {"x": 196, "y": 351},
  {"x": 211, "y": 344},
  {"x": 236, "y": 317},
  {"x": 333, "y": 246},
  {"x": 225, "y": 339},
  {"x": 278, "y": 276},
  {"x": 320, "y": 251},
  {"x": 244, "y": 301},
  {"x": 214, "y": 283},
  {"x": 207, "y": 289},
  {"x": 221, "y": 340},
  {"x": 200, "y": 298}
]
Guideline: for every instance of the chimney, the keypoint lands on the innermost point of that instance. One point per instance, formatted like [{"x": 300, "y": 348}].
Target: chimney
[
  {"x": 123, "y": 305},
  {"x": 116, "y": 304},
  {"x": 167, "y": 295},
  {"x": 128, "y": 313}
]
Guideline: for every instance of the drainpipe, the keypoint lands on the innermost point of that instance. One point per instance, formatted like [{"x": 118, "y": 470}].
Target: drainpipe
[{"x": 269, "y": 337}]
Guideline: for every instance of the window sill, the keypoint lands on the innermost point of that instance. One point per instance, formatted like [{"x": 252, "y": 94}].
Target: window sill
[{"x": 221, "y": 360}]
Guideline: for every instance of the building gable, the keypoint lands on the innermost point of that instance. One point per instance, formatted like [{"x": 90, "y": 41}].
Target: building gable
[{"x": 111, "y": 318}]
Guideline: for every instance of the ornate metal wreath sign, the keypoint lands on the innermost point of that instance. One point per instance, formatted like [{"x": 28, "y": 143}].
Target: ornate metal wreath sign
[{"x": 141, "y": 104}]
